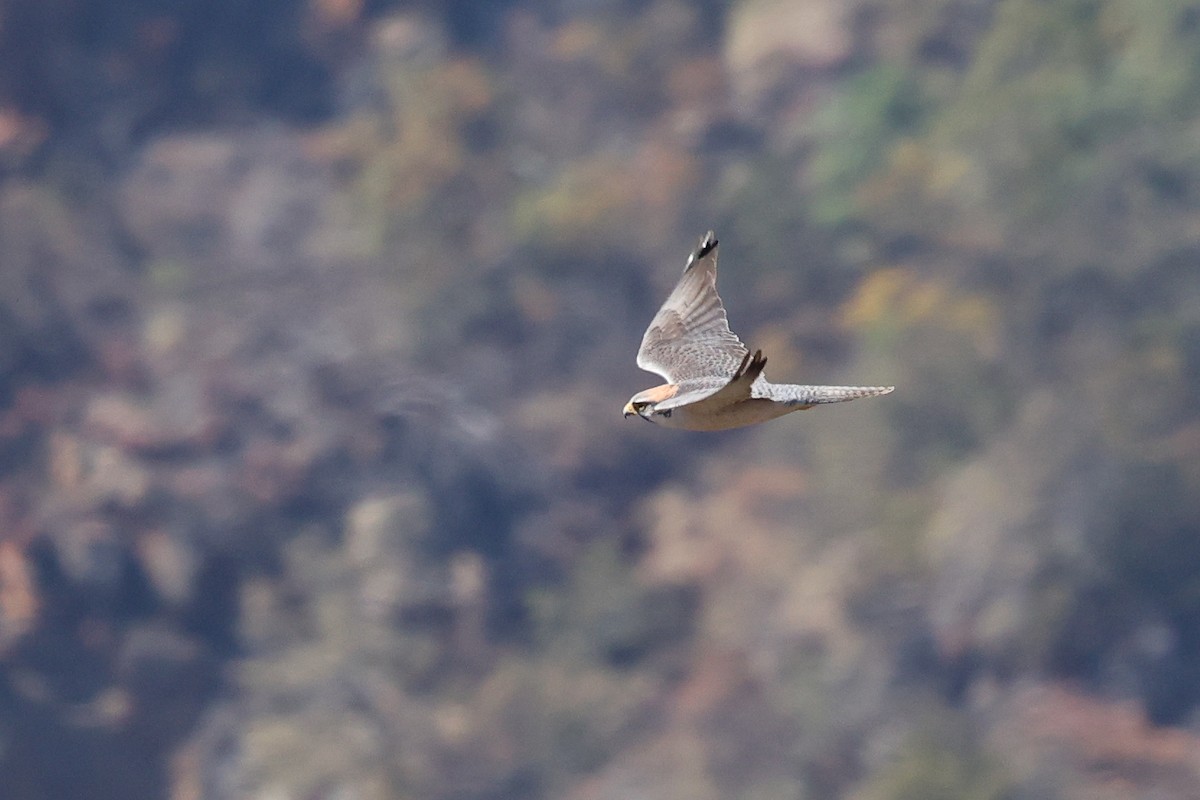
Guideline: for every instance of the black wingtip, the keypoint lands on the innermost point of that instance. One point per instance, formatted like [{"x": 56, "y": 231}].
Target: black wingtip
[
  {"x": 752, "y": 363},
  {"x": 708, "y": 243},
  {"x": 758, "y": 363}
]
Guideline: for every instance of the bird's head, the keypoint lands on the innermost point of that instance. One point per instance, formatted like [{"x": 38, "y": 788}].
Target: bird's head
[
  {"x": 636, "y": 405},
  {"x": 644, "y": 404}
]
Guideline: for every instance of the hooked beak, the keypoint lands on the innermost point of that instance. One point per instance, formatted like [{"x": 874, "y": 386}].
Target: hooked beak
[{"x": 629, "y": 410}]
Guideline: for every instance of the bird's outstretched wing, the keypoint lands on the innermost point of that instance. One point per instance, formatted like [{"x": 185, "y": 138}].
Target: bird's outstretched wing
[
  {"x": 689, "y": 337},
  {"x": 736, "y": 390}
]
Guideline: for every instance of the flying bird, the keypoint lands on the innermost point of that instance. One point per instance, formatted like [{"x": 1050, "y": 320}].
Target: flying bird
[{"x": 713, "y": 380}]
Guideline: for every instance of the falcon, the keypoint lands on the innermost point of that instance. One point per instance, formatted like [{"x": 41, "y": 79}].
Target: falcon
[{"x": 713, "y": 381}]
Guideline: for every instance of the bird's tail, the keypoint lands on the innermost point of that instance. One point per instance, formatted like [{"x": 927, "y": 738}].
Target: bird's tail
[{"x": 808, "y": 396}]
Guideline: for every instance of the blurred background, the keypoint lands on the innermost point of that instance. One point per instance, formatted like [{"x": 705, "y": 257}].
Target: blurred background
[{"x": 316, "y": 322}]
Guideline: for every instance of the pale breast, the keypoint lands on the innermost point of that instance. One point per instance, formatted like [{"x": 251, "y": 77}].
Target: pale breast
[{"x": 735, "y": 415}]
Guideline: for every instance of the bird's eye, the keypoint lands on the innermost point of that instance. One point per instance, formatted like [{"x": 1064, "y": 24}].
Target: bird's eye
[{"x": 667, "y": 413}]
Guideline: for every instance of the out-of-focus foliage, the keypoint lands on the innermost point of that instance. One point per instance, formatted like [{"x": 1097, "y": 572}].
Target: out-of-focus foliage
[
  {"x": 875, "y": 109},
  {"x": 315, "y": 323},
  {"x": 937, "y": 766}
]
